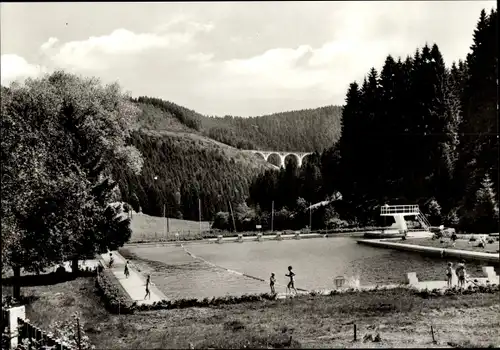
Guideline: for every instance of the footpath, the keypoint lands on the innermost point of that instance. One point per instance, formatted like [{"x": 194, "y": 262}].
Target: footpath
[{"x": 135, "y": 283}]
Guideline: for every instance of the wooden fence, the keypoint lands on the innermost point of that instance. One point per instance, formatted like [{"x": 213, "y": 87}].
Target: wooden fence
[
  {"x": 38, "y": 339},
  {"x": 35, "y": 334}
]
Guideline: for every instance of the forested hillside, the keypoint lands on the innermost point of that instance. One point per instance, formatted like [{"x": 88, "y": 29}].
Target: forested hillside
[
  {"x": 417, "y": 132},
  {"x": 192, "y": 159},
  {"x": 305, "y": 130},
  {"x": 180, "y": 169}
]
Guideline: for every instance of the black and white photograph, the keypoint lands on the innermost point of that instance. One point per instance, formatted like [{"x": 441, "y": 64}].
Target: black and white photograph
[{"x": 249, "y": 175}]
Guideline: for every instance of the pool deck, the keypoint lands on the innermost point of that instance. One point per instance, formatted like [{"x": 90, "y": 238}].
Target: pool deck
[
  {"x": 135, "y": 284},
  {"x": 253, "y": 238},
  {"x": 456, "y": 253}
]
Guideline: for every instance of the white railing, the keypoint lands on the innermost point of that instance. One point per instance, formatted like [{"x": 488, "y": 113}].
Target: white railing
[
  {"x": 423, "y": 220},
  {"x": 399, "y": 209}
]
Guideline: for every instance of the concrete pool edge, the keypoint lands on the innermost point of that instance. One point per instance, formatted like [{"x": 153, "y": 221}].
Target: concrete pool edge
[
  {"x": 456, "y": 253},
  {"x": 234, "y": 239}
]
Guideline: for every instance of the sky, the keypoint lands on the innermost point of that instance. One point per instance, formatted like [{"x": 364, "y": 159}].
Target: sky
[{"x": 236, "y": 58}]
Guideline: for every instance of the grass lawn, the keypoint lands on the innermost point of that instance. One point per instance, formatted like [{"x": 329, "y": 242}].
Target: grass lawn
[
  {"x": 402, "y": 319},
  {"x": 462, "y": 244},
  {"x": 148, "y": 228}
]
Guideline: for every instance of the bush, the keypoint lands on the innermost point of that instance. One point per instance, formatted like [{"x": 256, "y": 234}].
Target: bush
[
  {"x": 472, "y": 239},
  {"x": 115, "y": 297}
]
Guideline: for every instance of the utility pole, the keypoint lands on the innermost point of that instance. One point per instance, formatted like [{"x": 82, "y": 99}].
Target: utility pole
[
  {"x": 164, "y": 214},
  {"x": 310, "y": 217},
  {"x": 199, "y": 212},
  {"x": 231, "y": 208},
  {"x": 272, "y": 215}
]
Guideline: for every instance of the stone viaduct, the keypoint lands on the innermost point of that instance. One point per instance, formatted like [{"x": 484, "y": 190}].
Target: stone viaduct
[{"x": 299, "y": 156}]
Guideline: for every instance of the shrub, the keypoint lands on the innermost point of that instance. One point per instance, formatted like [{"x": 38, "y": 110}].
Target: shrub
[
  {"x": 115, "y": 298},
  {"x": 472, "y": 239},
  {"x": 234, "y": 325}
]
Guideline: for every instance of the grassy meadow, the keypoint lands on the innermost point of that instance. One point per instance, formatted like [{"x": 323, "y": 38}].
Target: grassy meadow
[
  {"x": 461, "y": 244},
  {"x": 151, "y": 228},
  {"x": 400, "y": 317}
]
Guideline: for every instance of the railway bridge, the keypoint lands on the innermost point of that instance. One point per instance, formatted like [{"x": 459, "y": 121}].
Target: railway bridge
[{"x": 299, "y": 156}]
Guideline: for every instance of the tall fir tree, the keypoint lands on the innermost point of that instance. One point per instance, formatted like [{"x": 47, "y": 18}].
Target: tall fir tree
[
  {"x": 348, "y": 143},
  {"x": 479, "y": 128}
]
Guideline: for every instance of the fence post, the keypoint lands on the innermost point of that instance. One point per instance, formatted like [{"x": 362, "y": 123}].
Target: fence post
[
  {"x": 29, "y": 332},
  {"x": 79, "y": 334}
]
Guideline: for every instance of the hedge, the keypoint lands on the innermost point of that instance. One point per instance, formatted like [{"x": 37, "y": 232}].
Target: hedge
[
  {"x": 228, "y": 300},
  {"x": 114, "y": 296}
]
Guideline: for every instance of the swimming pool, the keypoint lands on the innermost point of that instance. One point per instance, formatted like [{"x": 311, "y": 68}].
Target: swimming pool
[{"x": 316, "y": 262}]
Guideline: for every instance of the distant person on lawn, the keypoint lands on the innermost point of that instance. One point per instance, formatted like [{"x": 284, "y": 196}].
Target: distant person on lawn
[
  {"x": 291, "y": 284},
  {"x": 148, "y": 293},
  {"x": 449, "y": 274},
  {"x": 111, "y": 260},
  {"x": 127, "y": 272},
  {"x": 272, "y": 281}
]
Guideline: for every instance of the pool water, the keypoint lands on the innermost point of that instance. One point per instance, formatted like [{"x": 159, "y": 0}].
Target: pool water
[{"x": 316, "y": 262}]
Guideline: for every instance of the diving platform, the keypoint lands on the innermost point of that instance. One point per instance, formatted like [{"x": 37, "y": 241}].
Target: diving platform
[{"x": 400, "y": 211}]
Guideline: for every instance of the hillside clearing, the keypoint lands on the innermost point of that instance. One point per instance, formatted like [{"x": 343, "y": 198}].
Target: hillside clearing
[{"x": 146, "y": 227}]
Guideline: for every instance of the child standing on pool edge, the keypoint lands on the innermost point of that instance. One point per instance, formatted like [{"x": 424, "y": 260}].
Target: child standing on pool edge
[
  {"x": 148, "y": 282},
  {"x": 291, "y": 284},
  {"x": 449, "y": 274},
  {"x": 272, "y": 281}
]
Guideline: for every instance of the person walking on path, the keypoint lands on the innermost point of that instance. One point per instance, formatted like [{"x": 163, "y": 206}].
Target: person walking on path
[
  {"x": 148, "y": 293},
  {"x": 272, "y": 281},
  {"x": 449, "y": 274},
  {"x": 111, "y": 260},
  {"x": 126, "y": 271},
  {"x": 291, "y": 284}
]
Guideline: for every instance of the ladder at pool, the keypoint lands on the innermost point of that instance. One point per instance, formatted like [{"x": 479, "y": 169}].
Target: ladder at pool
[{"x": 399, "y": 211}]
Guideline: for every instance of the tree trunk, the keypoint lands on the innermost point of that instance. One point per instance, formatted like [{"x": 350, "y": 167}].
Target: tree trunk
[
  {"x": 74, "y": 266},
  {"x": 16, "y": 289}
]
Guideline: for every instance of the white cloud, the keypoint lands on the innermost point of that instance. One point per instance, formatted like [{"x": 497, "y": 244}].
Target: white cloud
[
  {"x": 366, "y": 34},
  {"x": 200, "y": 57},
  {"x": 14, "y": 67},
  {"x": 49, "y": 43},
  {"x": 98, "y": 52}
]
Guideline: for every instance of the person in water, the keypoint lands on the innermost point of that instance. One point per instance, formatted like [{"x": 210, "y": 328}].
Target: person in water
[
  {"x": 272, "y": 281},
  {"x": 291, "y": 284},
  {"x": 449, "y": 274}
]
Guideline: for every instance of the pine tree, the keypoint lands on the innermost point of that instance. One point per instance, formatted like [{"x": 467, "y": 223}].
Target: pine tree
[
  {"x": 478, "y": 131},
  {"x": 372, "y": 157},
  {"x": 348, "y": 143},
  {"x": 486, "y": 208}
]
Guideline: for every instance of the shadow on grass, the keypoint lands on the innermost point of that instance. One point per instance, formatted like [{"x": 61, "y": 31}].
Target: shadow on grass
[
  {"x": 48, "y": 278},
  {"x": 241, "y": 338}
]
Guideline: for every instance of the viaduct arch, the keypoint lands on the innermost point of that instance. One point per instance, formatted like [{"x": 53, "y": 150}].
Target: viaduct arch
[{"x": 299, "y": 156}]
